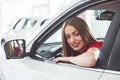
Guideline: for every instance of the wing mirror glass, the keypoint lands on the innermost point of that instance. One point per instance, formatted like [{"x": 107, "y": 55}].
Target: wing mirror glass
[{"x": 15, "y": 49}]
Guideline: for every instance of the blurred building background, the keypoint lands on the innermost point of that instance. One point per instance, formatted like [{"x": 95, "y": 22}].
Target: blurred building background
[{"x": 12, "y": 10}]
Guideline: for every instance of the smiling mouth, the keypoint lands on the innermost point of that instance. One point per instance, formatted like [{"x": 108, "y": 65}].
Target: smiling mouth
[{"x": 75, "y": 45}]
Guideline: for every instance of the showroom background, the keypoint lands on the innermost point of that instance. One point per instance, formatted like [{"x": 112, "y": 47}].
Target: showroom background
[{"x": 12, "y": 10}]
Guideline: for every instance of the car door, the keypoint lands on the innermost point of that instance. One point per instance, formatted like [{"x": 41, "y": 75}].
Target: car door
[
  {"x": 105, "y": 73},
  {"x": 42, "y": 46}
]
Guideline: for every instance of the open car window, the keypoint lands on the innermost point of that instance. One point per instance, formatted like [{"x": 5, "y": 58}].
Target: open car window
[{"x": 52, "y": 46}]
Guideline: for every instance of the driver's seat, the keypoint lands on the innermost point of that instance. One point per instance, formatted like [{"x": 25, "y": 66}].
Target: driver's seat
[{"x": 109, "y": 40}]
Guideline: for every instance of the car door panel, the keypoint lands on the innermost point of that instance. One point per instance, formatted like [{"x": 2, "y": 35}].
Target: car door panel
[
  {"x": 110, "y": 75},
  {"x": 29, "y": 69},
  {"x": 63, "y": 71}
]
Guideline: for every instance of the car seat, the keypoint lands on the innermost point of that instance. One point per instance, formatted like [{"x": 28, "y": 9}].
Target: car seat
[{"x": 109, "y": 42}]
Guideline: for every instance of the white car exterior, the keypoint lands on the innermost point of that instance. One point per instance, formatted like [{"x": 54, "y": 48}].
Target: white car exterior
[{"x": 31, "y": 67}]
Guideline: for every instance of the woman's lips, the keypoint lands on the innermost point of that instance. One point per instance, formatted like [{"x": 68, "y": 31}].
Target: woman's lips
[{"x": 75, "y": 45}]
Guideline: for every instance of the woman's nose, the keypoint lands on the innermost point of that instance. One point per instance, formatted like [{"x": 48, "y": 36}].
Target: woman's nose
[{"x": 72, "y": 39}]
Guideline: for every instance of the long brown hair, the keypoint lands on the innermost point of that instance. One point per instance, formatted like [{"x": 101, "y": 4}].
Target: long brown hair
[{"x": 83, "y": 29}]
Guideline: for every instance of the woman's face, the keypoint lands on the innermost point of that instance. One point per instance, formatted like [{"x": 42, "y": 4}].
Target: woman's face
[{"x": 73, "y": 38}]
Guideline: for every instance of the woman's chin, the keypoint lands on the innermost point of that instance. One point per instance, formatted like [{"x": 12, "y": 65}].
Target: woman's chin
[{"x": 76, "y": 49}]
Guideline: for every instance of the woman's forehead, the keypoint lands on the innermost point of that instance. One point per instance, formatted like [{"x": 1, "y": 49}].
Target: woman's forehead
[{"x": 70, "y": 29}]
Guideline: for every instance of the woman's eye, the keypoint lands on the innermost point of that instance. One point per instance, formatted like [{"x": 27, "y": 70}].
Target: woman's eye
[
  {"x": 67, "y": 36},
  {"x": 76, "y": 34}
]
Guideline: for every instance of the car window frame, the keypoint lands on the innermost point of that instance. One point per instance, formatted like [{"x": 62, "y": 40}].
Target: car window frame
[{"x": 57, "y": 22}]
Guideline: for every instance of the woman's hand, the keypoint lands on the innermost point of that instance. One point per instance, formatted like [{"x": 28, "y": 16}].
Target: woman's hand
[
  {"x": 87, "y": 59},
  {"x": 62, "y": 59}
]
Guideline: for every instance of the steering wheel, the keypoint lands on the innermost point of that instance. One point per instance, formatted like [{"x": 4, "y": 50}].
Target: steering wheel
[
  {"x": 50, "y": 52},
  {"x": 56, "y": 51}
]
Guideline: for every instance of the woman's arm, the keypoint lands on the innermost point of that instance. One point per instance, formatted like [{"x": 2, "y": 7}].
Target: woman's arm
[{"x": 87, "y": 59}]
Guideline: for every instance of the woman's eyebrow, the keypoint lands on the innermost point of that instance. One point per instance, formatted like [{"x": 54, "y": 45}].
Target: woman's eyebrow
[{"x": 74, "y": 32}]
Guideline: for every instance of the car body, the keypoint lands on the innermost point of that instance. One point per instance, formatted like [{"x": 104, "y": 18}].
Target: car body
[
  {"x": 24, "y": 26},
  {"x": 35, "y": 60}
]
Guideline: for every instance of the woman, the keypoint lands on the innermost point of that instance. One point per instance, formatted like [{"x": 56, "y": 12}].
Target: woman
[{"x": 79, "y": 45}]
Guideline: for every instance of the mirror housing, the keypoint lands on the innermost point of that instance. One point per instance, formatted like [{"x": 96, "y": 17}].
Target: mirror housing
[
  {"x": 106, "y": 15},
  {"x": 15, "y": 49}
]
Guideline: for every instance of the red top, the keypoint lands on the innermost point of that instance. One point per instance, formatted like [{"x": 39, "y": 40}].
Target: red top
[
  {"x": 94, "y": 44},
  {"x": 17, "y": 50}
]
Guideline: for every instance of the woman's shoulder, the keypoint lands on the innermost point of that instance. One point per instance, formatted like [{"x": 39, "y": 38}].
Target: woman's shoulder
[{"x": 96, "y": 44}]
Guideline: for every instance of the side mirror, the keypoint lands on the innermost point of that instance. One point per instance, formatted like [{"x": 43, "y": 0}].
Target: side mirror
[{"x": 15, "y": 49}]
